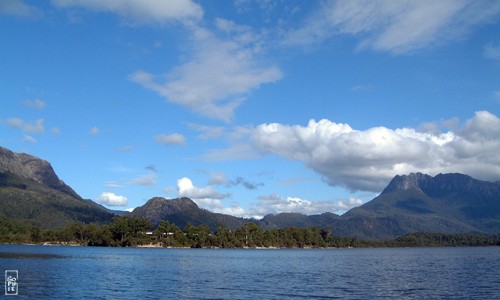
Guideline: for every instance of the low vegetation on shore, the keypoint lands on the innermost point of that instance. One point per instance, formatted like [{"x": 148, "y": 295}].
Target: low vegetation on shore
[{"x": 129, "y": 231}]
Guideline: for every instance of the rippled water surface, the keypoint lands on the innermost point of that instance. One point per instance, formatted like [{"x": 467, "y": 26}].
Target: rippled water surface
[{"x": 111, "y": 273}]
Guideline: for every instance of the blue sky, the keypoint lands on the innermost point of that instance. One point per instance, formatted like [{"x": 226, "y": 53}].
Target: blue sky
[{"x": 251, "y": 107}]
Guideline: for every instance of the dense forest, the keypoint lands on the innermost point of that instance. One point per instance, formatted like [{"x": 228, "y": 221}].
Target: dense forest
[{"x": 133, "y": 231}]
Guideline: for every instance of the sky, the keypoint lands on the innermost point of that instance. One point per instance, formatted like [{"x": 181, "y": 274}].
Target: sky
[{"x": 251, "y": 107}]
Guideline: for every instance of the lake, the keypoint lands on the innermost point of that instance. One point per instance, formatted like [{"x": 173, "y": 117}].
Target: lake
[{"x": 155, "y": 273}]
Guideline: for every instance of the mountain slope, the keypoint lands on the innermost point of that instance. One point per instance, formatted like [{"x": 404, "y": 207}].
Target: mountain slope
[
  {"x": 31, "y": 192},
  {"x": 182, "y": 211},
  {"x": 451, "y": 203}
]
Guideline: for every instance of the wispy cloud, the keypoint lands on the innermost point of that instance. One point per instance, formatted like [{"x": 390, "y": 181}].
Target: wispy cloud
[
  {"x": 218, "y": 77},
  {"x": 170, "y": 139},
  {"x": 492, "y": 52},
  {"x": 111, "y": 199},
  {"x": 19, "y": 9},
  {"x": 140, "y": 12},
  {"x": 34, "y": 127},
  {"x": 29, "y": 139},
  {"x": 56, "y": 130},
  {"x": 395, "y": 26},
  {"x": 94, "y": 131},
  {"x": 362, "y": 88},
  {"x": 144, "y": 179},
  {"x": 35, "y": 104},
  {"x": 125, "y": 148},
  {"x": 496, "y": 95}
]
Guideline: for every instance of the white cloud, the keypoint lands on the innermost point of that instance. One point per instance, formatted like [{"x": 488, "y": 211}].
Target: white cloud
[
  {"x": 35, "y": 104},
  {"x": 186, "y": 188},
  {"x": 206, "y": 197},
  {"x": 349, "y": 204},
  {"x": 275, "y": 204},
  {"x": 19, "y": 8},
  {"x": 170, "y": 139},
  {"x": 94, "y": 131},
  {"x": 396, "y": 26},
  {"x": 368, "y": 159},
  {"x": 217, "y": 78},
  {"x": 141, "y": 11},
  {"x": 492, "y": 52},
  {"x": 112, "y": 199},
  {"x": 35, "y": 127}
]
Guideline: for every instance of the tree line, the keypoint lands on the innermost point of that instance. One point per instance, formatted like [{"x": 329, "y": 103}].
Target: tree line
[{"x": 134, "y": 231}]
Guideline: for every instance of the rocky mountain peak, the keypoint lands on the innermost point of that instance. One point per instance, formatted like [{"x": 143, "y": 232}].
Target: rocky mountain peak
[
  {"x": 413, "y": 181},
  {"x": 31, "y": 167},
  {"x": 158, "y": 208},
  {"x": 438, "y": 184}
]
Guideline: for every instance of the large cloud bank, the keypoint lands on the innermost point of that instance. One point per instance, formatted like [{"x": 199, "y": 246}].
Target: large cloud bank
[{"x": 367, "y": 159}]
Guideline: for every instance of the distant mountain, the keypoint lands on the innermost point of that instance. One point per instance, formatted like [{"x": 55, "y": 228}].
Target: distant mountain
[
  {"x": 182, "y": 211},
  {"x": 450, "y": 203},
  {"x": 31, "y": 192}
]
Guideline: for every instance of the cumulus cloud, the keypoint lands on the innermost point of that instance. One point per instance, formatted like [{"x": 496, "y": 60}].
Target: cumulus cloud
[
  {"x": 367, "y": 159},
  {"x": 217, "y": 78},
  {"x": 35, "y": 104},
  {"x": 141, "y": 11},
  {"x": 206, "y": 197},
  {"x": 186, "y": 188},
  {"x": 35, "y": 127},
  {"x": 212, "y": 200},
  {"x": 395, "y": 26},
  {"x": 275, "y": 204},
  {"x": 111, "y": 199},
  {"x": 170, "y": 139}
]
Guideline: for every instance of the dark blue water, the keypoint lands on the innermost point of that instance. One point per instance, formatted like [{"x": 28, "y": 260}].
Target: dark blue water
[{"x": 117, "y": 273}]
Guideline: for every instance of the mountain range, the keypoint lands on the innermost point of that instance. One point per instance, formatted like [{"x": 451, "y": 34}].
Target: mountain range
[{"x": 31, "y": 192}]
